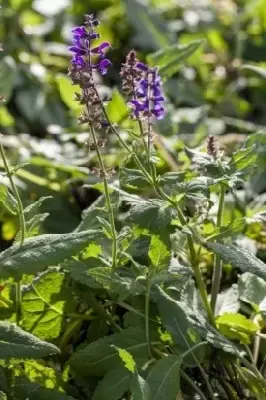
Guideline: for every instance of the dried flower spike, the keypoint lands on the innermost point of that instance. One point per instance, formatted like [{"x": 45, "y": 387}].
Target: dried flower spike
[{"x": 212, "y": 146}]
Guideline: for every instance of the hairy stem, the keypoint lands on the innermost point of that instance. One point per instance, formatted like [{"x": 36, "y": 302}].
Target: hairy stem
[
  {"x": 147, "y": 313},
  {"x": 218, "y": 265},
  {"x": 22, "y": 224},
  {"x": 107, "y": 198}
]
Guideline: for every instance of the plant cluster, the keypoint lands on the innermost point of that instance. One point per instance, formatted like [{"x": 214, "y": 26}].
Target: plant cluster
[{"x": 124, "y": 306}]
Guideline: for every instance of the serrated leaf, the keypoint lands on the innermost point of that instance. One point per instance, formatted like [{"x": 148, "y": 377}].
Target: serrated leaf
[
  {"x": 243, "y": 158},
  {"x": 169, "y": 59},
  {"x": 237, "y": 326},
  {"x": 16, "y": 343},
  {"x": 139, "y": 388},
  {"x": 100, "y": 356},
  {"x": 114, "y": 384},
  {"x": 79, "y": 271},
  {"x": 238, "y": 258},
  {"x": 24, "y": 389},
  {"x": 154, "y": 215},
  {"x": 39, "y": 252},
  {"x": 180, "y": 319},
  {"x": 44, "y": 304},
  {"x": 133, "y": 178},
  {"x": 164, "y": 378},
  {"x": 252, "y": 289},
  {"x": 159, "y": 254}
]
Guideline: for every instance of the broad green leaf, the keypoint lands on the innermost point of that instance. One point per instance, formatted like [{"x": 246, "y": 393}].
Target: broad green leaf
[
  {"x": 139, "y": 388},
  {"x": 150, "y": 28},
  {"x": 115, "y": 283},
  {"x": 159, "y": 254},
  {"x": 237, "y": 326},
  {"x": 7, "y": 76},
  {"x": 3, "y": 193},
  {"x": 164, "y": 378},
  {"x": 154, "y": 215},
  {"x": 114, "y": 384},
  {"x": 24, "y": 389},
  {"x": 100, "y": 356},
  {"x": 132, "y": 178},
  {"x": 38, "y": 372},
  {"x": 7, "y": 199},
  {"x": 257, "y": 70},
  {"x": 183, "y": 323},
  {"x": 79, "y": 271},
  {"x": 117, "y": 109},
  {"x": 39, "y": 252},
  {"x": 238, "y": 258},
  {"x": 44, "y": 304},
  {"x": 16, "y": 343},
  {"x": 227, "y": 301},
  {"x": 67, "y": 91},
  {"x": 252, "y": 289},
  {"x": 169, "y": 59},
  {"x": 243, "y": 158}
]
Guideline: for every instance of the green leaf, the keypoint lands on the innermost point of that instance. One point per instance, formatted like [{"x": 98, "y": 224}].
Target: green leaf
[
  {"x": 100, "y": 356},
  {"x": 117, "y": 108},
  {"x": 159, "y": 254},
  {"x": 2, "y": 396},
  {"x": 233, "y": 228},
  {"x": 7, "y": 199},
  {"x": 79, "y": 271},
  {"x": 38, "y": 372},
  {"x": 139, "y": 388},
  {"x": 164, "y": 378},
  {"x": 154, "y": 215},
  {"x": 257, "y": 70},
  {"x": 67, "y": 91},
  {"x": 256, "y": 384},
  {"x": 150, "y": 28},
  {"x": 252, "y": 289},
  {"x": 7, "y": 76},
  {"x": 127, "y": 359},
  {"x": 227, "y": 301},
  {"x": 3, "y": 193},
  {"x": 169, "y": 59},
  {"x": 24, "y": 389},
  {"x": 114, "y": 384},
  {"x": 243, "y": 159},
  {"x": 132, "y": 178},
  {"x": 39, "y": 252},
  {"x": 16, "y": 343},
  {"x": 237, "y": 326},
  {"x": 238, "y": 258},
  {"x": 183, "y": 323},
  {"x": 44, "y": 304}
]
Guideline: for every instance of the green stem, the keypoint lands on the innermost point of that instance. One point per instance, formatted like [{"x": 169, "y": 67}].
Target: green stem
[
  {"x": 107, "y": 198},
  {"x": 147, "y": 314},
  {"x": 102, "y": 312},
  {"x": 218, "y": 265},
  {"x": 193, "y": 384},
  {"x": 22, "y": 224},
  {"x": 153, "y": 181}
]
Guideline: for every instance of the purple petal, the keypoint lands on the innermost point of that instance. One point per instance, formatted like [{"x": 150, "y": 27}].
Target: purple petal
[{"x": 142, "y": 66}]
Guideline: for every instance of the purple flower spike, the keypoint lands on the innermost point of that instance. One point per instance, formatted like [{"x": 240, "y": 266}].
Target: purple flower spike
[
  {"x": 149, "y": 93},
  {"x": 84, "y": 54}
]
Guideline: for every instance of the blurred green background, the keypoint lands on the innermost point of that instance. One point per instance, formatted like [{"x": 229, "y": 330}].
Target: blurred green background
[{"x": 208, "y": 94}]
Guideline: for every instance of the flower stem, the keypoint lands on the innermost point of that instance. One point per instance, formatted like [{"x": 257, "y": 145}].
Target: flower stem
[
  {"x": 218, "y": 266},
  {"x": 107, "y": 198},
  {"x": 22, "y": 224},
  {"x": 147, "y": 314}
]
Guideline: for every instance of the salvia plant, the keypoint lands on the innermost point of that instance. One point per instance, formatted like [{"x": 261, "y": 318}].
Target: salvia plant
[{"x": 123, "y": 307}]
